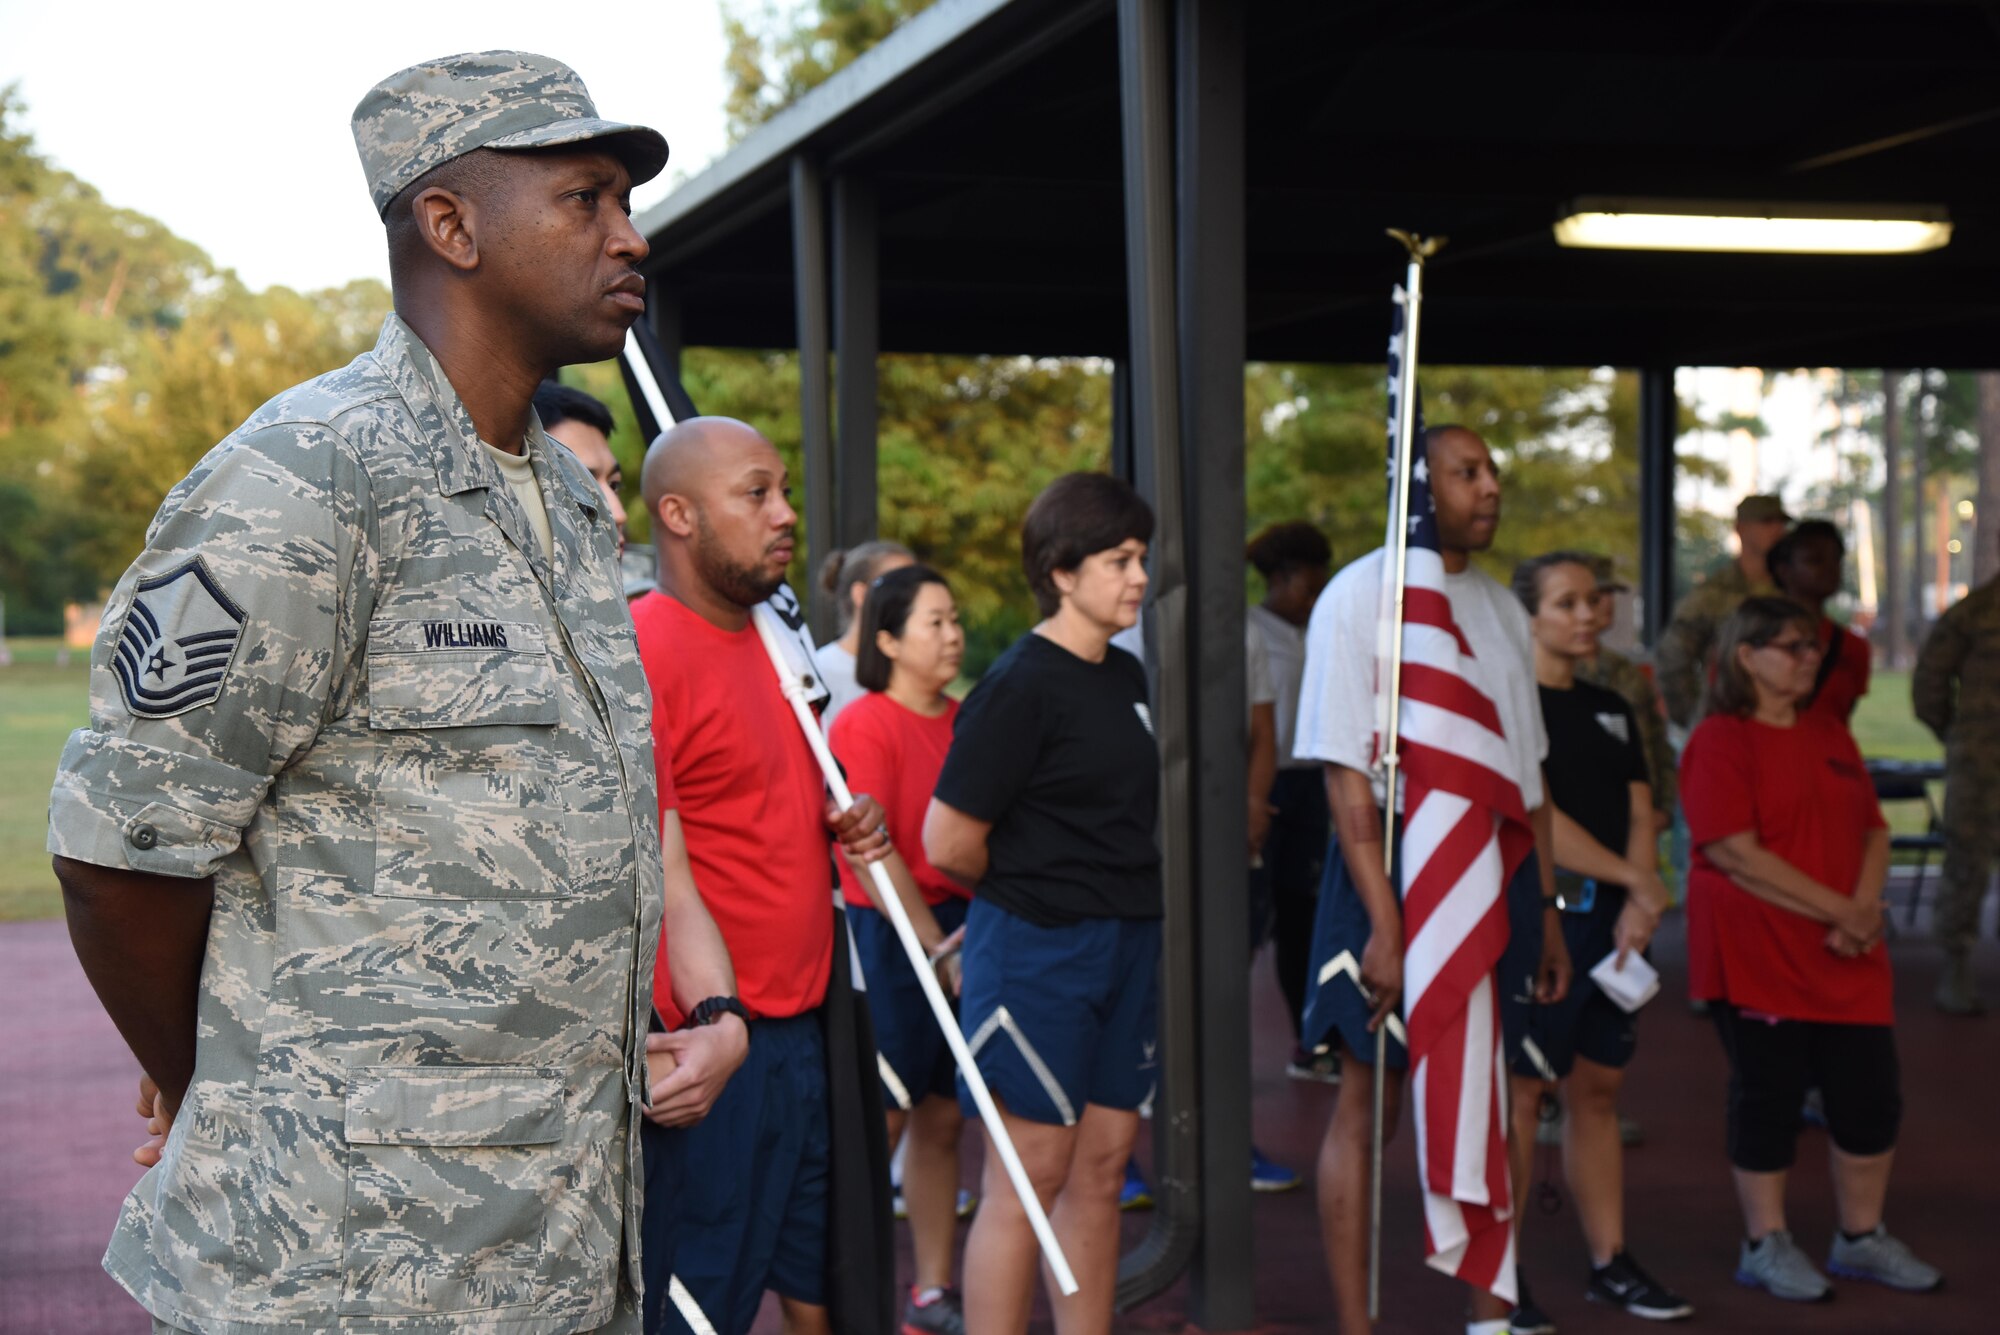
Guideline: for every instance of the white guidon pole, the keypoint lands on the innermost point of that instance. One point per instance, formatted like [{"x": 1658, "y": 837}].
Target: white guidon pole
[{"x": 769, "y": 628}]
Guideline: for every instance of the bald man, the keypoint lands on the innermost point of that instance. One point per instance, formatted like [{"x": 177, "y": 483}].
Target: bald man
[
  {"x": 752, "y": 1212},
  {"x": 1356, "y": 981}
]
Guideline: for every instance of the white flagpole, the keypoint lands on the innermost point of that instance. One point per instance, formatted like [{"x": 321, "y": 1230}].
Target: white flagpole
[
  {"x": 892, "y": 905},
  {"x": 768, "y": 630},
  {"x": 1421, "y": 249}
]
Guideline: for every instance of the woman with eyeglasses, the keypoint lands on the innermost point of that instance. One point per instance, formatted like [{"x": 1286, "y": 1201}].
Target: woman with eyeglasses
[{"x": 1785, "y": 944}]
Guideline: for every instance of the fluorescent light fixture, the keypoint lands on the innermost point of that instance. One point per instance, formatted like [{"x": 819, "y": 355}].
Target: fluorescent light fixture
[{"x": 1757, "y": 228}]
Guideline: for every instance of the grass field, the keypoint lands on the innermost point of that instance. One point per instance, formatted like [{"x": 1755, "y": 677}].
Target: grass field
[{"x": 41, "y": 700}]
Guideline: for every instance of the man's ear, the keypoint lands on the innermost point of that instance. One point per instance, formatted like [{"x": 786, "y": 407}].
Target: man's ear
[
  {"x": 675, "y": 515},
  {"x": 447, "y": 222}
]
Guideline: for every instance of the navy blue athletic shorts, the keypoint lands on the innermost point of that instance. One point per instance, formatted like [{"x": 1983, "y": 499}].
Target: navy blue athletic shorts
[
  {"x": 753, "y": 1207},
  {"x": 1060, "y": 1017},
  {"x": 1585, "y": 1023},
  {"x": 1335, "y": 1007},
  {"x": 910, "y": 1049}
]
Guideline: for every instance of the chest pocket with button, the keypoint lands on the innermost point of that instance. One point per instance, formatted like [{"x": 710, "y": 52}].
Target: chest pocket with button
[{"x": 468, "y": 802}]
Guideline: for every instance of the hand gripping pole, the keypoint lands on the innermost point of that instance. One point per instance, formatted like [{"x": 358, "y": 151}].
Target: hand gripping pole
[{"x": 768, "y": 630}]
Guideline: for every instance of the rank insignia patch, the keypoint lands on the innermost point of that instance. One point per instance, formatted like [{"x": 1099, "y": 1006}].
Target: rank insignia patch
[{"x": 179, "y": 638}]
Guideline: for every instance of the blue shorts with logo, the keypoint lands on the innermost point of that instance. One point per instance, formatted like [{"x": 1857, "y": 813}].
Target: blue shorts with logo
[
  {"x": 1585, "y": 1023},
  {"x": 1335, "y": 1007},
  {"x": 752, "y": 1213},
  {"x": 909, "y": 1047},
  {"x": 1060, "y": 1017}
]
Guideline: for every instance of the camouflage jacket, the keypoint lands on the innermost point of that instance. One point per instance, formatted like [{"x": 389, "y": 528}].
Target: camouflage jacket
[
  {"x": 1615, "y": 672},
  {"x": 1963, "y": 648},
  {"x": 1682, "y": 656},
  {"x": 416, "y": 758}
]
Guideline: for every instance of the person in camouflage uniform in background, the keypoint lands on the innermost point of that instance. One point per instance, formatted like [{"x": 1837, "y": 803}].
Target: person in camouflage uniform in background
[
  {"x": 1963, "y": 652},
  {"x": 1681, "y": 660},
  {"x": 1614, "y": 671},
  {"x": 361, "y": 847}
]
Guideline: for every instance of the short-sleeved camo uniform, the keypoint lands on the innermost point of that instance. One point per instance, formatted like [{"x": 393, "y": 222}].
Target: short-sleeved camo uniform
[
  {"x": 1963, "y": 648},
  {"x": 416, "y": 757},
  {"x": 1688, "y": 643}
]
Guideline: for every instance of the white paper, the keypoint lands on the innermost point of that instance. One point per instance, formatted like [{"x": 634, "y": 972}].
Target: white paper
[{"x": 1630, "y": 987}]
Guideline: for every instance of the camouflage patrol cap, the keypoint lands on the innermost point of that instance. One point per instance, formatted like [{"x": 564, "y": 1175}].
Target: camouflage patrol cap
[
  {"x": 428, "y": 114},
  {"x": 1606, "y": 572},
  {"x": 1760, "y": 508}
]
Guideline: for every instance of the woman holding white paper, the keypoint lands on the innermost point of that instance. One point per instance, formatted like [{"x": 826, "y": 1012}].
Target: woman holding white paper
[{"x": 1612, "y": 897}]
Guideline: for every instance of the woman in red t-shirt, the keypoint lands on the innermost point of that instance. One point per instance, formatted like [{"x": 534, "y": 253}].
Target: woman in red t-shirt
[
  {"x": 892, "y": 741},
  {"x": 1805, "y": 565},
  {"x": 1785, "y": 943}
]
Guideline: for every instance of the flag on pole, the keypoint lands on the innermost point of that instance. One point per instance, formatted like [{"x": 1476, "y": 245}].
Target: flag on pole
[{"x": 1465, "y": 831}]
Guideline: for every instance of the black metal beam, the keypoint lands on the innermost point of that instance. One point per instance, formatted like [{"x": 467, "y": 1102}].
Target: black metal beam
[
  {"x": 1659, "y": 423},
  {"x": 857, "y": 338},
  {"x": 809, "y": 285},
  {"x": 1209, "y": 74},
  {"x": 1145, "y": 64}
]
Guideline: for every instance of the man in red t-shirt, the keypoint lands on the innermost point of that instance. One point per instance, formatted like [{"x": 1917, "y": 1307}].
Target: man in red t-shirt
[{"x": 752, "y": 1211}]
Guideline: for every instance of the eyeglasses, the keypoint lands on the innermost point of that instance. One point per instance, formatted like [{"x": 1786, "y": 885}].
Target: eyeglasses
[{"x": 1796, "y": 648}]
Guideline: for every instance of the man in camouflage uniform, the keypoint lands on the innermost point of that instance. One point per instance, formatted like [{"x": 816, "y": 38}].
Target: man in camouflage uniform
[
  {"x": 360, "y": 849},
  {"x": 1614, "y": 671},
  {"x": 1963, "y": 650},
  {"x": 1689, "y": 639}
]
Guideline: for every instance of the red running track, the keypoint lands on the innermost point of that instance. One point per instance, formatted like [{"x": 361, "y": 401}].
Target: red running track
[{"x": 67, "y": 1084}]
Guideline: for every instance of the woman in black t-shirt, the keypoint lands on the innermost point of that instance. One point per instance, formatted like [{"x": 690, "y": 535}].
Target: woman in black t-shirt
[
  {"x": 1046, "y": 808},
  {"x": 1611, "y": 895}
]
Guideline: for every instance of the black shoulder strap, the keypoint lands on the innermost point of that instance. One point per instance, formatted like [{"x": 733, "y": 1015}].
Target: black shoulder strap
[{"x": 1826, "y": 663}]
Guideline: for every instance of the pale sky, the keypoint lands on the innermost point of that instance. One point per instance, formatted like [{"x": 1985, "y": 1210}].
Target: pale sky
[{"x": 228, "y": 121}]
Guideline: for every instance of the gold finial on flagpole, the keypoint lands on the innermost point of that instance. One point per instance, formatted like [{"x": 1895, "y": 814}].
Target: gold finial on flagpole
[{"x": 1420, "y": 247}]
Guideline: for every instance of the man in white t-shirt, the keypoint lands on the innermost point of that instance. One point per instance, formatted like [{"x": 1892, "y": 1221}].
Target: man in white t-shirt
[{"x": 1356, "y": 980}]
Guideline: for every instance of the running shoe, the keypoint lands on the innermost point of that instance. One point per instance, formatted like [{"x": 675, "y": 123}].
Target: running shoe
[
  {"x": 1321, "y": 1063},
  {"x": 1135, "y": 1194},
  {"x": 1526, "y": 1318},
  {"x": 1882, "y": 1259},
  {"x": 1813, "y": 1111},
  {"x": 1625, "y": 1284},
  {"x": 942, "y": 1315},
  {"x": 1268, "y": 1176},
  {"x": 1775, "y": 1264}
]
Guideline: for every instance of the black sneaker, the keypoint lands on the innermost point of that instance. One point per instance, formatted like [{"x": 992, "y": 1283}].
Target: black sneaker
[
  {"x": 1625, "y": 1285},
  {"x": 1526, "y": 1318},
  {"x": 942, "y": 1315}
]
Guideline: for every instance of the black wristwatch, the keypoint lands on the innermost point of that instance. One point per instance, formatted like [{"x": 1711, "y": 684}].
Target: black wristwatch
[{"x": 713, "y": 1009}]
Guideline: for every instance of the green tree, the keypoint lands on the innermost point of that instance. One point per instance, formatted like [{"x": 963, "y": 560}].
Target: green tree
[{"x": 124, "y": 354}]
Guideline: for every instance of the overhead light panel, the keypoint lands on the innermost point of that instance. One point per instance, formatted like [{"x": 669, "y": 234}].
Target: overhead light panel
[{"x": 1751, "y": 228}]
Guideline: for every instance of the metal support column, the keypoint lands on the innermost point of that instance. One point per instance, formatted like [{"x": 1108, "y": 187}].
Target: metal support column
[
  {"x": 1145, "y": 62},
  {"x": 857, "y": 338},
  {"x": 1210, "y": 185},
  {"x": 1659, "y": 423},
  {"x": 809, "y": 285}
]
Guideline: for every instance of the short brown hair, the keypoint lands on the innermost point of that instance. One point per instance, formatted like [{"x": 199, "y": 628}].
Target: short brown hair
[
  {"x": 1077, "y": 515},
  {"x": 1756, "y": 622}
]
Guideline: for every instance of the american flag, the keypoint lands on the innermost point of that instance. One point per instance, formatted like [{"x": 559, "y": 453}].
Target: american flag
[{"x": 1464, "y": 832}]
